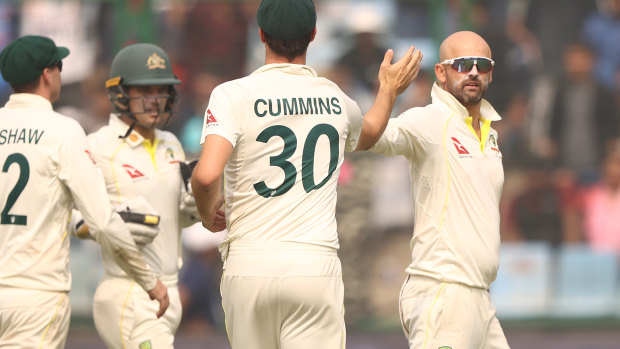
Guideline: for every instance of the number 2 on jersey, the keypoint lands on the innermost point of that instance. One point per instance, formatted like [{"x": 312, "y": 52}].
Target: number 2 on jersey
[
  {"x": 24, "y": 175},
  {"x": 307, "y": 158}
]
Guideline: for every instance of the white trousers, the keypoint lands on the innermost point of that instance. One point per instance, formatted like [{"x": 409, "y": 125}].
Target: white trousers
[
  {"x": 283, "y": 295},
  {"x": 435, "y": 315},
  {"x": 33, "y": 319},
  {"x": 125, "y": 316}
]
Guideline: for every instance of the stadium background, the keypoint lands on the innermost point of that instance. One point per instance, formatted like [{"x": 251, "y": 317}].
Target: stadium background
[{"x": 557, "y": 288}]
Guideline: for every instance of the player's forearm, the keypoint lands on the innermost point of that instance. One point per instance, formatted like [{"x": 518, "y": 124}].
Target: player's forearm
[
  {"x": 376, "y": 119},
  {"x": 116, "y": 240},
  {"x": 207, "y": 195}
]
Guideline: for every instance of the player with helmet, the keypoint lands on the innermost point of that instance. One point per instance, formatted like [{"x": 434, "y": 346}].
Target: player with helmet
[
  {"x": 46, "y": 169},
  {"x": 140, "y": 163}
]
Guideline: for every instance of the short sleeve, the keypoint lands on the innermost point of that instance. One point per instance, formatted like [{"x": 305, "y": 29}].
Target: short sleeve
[
  {"x": 356, "y": 120},
  {"x": 409, "y": 133},
  {"x": 220, "y": 117}
]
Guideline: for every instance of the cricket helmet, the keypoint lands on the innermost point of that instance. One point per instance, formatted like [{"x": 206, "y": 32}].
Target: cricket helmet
[{"x": 140, "y": 64}]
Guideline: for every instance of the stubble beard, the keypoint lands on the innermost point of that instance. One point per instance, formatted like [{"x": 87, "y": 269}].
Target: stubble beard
[{"x": 457, "y": 89}]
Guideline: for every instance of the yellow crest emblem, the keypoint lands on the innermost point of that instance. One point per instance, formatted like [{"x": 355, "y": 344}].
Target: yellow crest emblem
[{"x": 156, "y": 62}]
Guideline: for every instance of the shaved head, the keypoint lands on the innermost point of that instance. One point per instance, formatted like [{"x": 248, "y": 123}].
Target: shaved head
[
  {"x": 468, "y": 87},
  {"x": 464, "y": 43}
]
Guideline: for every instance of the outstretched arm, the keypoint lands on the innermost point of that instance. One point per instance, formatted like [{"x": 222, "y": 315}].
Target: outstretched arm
[{"x": 393, "y": 80}]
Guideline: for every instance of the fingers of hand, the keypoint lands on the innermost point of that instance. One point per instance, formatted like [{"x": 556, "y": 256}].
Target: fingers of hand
[
  {"x": 142, "y": 234},
  {"x": 163, "y": 305},
  {"x": 407, "y": 57},
  {"x": 220, "y": 202},
  {"x": 387, "y": 58},
  {"x": 414, "y": 64}
]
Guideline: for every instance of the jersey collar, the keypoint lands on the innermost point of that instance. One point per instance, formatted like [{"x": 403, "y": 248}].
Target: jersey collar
[
  {"x": 21, "y": 100},
  {"x": 295, "y": 69},
  {"x": 441, "y": 96},
  {"x": 120, "y": 127}
]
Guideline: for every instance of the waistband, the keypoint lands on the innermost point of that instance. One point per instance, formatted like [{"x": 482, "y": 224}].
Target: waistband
[
  {"x": 167, "y": 280},
  {"x": 278, "y": 247}
]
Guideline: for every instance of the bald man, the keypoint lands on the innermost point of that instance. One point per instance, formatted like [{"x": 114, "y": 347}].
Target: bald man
[{"x": 457, "y": 177}]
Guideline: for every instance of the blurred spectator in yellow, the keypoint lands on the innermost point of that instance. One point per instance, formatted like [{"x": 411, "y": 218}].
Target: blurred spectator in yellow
[{"x": 601, "y": 204}]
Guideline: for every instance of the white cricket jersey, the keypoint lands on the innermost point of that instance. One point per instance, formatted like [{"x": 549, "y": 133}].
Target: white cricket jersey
[
  {"x": 134, "y": 167},
  {"x": 46, "y": 168},
  {"x": 457, "y": 184},
  {"x": 289, "y": 129}
]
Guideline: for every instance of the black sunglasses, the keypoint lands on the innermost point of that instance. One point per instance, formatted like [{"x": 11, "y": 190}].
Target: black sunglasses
[{"x": 465, "y": 64}]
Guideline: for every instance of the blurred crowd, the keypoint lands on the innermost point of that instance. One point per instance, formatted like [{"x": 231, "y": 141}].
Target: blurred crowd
[{"x": 556, "y": 83}]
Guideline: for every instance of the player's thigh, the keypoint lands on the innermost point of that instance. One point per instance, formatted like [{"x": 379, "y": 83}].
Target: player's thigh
[
  {"x": 436, "y": 314},
  {"x": 313, "y": 313},
  {"x": 150, "y": 331},
  {"x": 495, "y": 337},
  {"x": 126, "y": 317},
  {"x": 113, "y": 311},
  {"x": 251, "y": 311},
  {"x": 33, "y": 319}
]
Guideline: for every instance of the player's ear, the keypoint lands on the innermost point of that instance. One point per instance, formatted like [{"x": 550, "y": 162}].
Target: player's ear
[
  {"x": 313, "y": 34},
  {"x": 440, "y": 73},
  {"x": 261, "y": 33}
]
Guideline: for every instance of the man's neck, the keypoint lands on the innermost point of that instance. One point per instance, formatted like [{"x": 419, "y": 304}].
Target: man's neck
[{"x": 274, "y": 58}]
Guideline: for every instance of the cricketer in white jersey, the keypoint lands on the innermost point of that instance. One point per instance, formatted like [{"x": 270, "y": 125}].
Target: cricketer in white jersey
[
  {"x": 46, "y": 169},
  {"x": 137, "y": 168},
  {"x": 457, "y": 177},
  {"x": 140, "y": 164},
  {"x": 279, "y": 135}
]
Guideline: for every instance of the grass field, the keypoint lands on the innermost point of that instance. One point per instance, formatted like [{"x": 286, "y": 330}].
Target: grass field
[{"x": 518, "y": 338}]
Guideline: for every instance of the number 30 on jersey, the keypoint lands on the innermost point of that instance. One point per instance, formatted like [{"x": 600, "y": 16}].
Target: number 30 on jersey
[{"x": 307, "y": 168}]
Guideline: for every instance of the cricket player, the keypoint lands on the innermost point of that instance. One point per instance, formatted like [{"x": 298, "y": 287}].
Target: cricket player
[
  {"x": 46, "y": 169},
  {"x": 280, "y": 135},
  {"x": 457, "y": 177},
  {"x": 141, "y": 167}
]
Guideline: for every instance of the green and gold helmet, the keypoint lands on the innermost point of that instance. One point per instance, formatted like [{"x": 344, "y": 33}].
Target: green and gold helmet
[{"x": 140, "y": 64}]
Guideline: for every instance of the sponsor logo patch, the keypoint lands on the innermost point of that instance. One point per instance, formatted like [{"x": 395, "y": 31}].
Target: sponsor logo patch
[
  {"x": 90, "y": 156},
  {"x": 211, "y": 120},
  {"x": 132, "y": 172},
  {"x": 459, "y": 147}
]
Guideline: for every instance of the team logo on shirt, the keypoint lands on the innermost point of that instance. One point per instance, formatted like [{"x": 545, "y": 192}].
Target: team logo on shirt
[
  {"x": 459, "y": 147},
  {"x": 145, "y": 345},
  {"x": 445, "y": 347},
  {"x": 132, "y": 172},
  {"x": 170, "y": 155},
  {"x": 211, "y": 120},
  {"x": 493, "y": 143}
]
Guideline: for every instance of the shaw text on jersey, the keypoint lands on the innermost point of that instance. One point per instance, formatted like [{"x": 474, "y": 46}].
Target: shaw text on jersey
[
  {"x": 297, "y": 106},
  {"x": 20, "y": 136}
]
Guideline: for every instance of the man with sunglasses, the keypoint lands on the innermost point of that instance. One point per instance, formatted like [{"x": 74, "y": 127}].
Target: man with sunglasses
[
  {"x": 141, "y": 167},
  {"x": 46, "y": 169},
  {"x": 457, "y": 178}
]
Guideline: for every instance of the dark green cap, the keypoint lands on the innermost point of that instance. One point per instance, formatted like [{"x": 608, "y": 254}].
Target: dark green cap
[
  {"x": 23, "y": 60},
  {"x": 142, "y": 64},
  {"x": 286, "y": 19}
]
